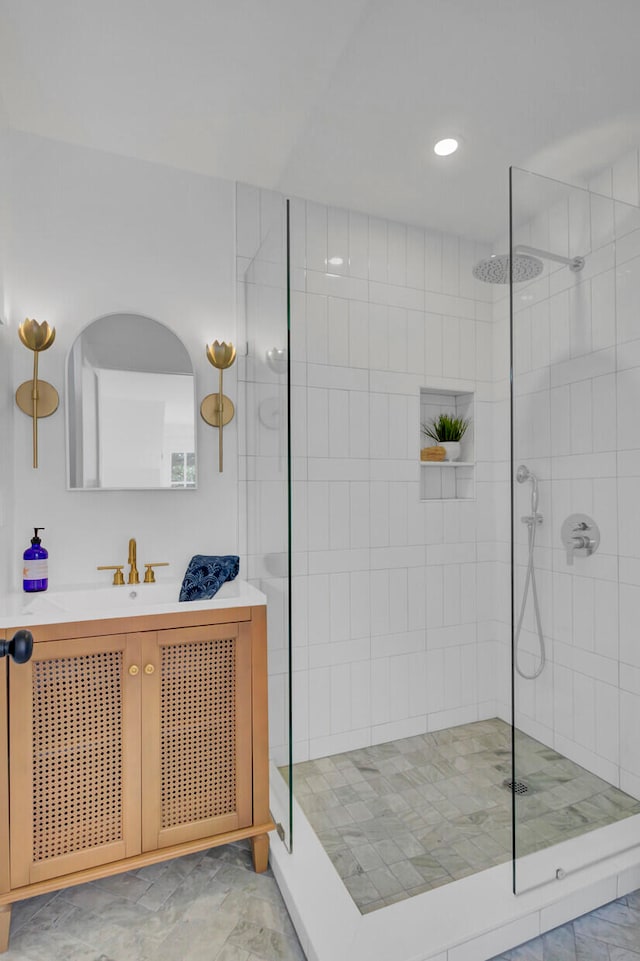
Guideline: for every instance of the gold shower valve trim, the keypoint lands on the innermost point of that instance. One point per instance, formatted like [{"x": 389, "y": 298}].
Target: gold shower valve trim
[{"x": 36, "y": 398}]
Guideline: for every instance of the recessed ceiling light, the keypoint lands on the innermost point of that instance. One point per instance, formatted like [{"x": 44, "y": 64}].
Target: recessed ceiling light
[
  {"x": 445, "y": 147},
  {"x": 335, "y": 261}
]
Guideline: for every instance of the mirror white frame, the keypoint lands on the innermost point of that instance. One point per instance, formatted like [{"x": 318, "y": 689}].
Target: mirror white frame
[{"x": 131, "y": 407}]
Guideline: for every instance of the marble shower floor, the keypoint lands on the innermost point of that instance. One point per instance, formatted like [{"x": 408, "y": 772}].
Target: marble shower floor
[{"x": 407, "y": 816}]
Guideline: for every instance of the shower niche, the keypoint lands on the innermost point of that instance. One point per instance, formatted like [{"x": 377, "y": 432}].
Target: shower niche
[{"x": 449, "y": 479}]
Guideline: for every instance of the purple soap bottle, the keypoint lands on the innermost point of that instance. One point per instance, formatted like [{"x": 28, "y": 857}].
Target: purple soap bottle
[{"x": 35, "y": 573}]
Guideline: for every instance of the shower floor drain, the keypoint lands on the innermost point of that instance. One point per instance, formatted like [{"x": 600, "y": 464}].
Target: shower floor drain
[{"x": 518, "y": 787}]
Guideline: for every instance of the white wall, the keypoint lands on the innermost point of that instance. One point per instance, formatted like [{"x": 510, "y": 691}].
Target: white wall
[
  {"x": 91, "y": 234},
  {"x": 6, "y": 397}
]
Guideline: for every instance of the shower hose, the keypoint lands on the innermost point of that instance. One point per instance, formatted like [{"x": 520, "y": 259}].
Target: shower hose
[{"x": 530, "y": 583}]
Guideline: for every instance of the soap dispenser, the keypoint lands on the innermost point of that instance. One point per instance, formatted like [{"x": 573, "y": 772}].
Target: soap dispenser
[{"x": 35, "y": 574}]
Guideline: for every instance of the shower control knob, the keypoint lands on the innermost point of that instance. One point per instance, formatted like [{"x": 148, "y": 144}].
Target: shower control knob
[{"x": 580, "y": 535}]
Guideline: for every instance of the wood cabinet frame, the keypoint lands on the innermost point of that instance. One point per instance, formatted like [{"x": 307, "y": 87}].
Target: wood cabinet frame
[{"x": 144, "y": 841}]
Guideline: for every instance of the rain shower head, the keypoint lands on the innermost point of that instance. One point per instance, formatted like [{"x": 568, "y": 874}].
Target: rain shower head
[
  {"x": 495, "y": 269},
  {"x": 526, "y": 265}
]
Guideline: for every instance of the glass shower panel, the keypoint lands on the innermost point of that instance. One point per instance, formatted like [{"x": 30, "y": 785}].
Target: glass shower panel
[
  {"x": 265, "y": 473},
  {"x": 575, "y": 470}
]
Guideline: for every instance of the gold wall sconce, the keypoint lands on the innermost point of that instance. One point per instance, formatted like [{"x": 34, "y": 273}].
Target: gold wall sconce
[
  {"x": 217, "y": 409},
  {"x": 36, "y": 398}
]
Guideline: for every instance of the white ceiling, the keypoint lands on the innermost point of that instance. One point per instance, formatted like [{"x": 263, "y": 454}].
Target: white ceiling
[{"x": 336, "y": 100}]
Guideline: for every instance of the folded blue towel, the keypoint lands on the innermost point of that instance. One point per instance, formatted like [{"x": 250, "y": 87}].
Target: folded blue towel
[{"x": 206, "y": 574}]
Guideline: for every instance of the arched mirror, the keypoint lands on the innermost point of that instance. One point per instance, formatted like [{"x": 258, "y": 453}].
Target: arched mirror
[{"x": 130, "y": 407}]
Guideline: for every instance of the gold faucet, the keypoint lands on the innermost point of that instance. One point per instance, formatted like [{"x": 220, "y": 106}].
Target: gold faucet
[{"x": 134, "y": 577}]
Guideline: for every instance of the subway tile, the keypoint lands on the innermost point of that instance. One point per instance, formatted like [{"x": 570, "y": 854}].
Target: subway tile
[
  {"x": 337, "y": 332},
  {"x": 339, "y": 615},
  {"x": 391, "y": 295},
  {"x": 339, "y": 515},
  {"x": 333, "y": 285},
  {"x": 581, "y": 418},
  {"x": 396, "y": 253},
  {"x": 329, "y": 561},
  {"x": 335, "y": 468},
  {"x": 625, "y": 178},
  {"x": 358, "y": 245},
  {"x": 580, "y": 319},
  {"x": 337, "y": 240},
  {"x": 316, "y": 234},
  {"x": 378, "y": 257},
  {"x": 603, "y": 310},
  {"x": 433, "y": 262},
  {"x": 581, "y": 368},
  {"x": 415, "y": 258},
  {"x": 339, "y": 439},
  {"x": 627, "y": 298},
  {"x": 628, "y": 384},
  {"x": 378, "y": 337},
  {"x": 345, "y": 378},
  {"x": 358, "y": 334},
  {"x": 317, "y": 329},
  {"x": 586, "y": 662},
  {"x": 397, "y": 318}
]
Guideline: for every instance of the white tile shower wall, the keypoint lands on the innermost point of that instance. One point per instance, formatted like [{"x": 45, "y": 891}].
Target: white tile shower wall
[
  {"x": 388, "y": 592},
  {"x": 577, "y": 376}
]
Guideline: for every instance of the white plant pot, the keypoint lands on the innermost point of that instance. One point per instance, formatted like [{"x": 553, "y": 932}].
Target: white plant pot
[{"x": 452, "y": 448}]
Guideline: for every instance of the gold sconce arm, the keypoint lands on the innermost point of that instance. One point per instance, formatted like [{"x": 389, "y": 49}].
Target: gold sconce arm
[
  {"x": 36, "y": 398},
  {"x": 217, "y": 409}
]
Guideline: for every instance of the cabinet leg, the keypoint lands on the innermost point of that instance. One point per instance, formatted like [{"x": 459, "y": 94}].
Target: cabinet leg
[
  {"x": 260, "y": 851},
  {"x": 5, "y": 924}
]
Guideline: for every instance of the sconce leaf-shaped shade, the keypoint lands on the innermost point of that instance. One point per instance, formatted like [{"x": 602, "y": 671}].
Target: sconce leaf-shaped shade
[
  {"x": 36, "y": 398},
  {"x": 36, "y": 336},
  {"x": 221, "y": 355}
]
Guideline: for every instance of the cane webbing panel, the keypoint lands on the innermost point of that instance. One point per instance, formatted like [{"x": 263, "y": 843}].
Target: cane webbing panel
[
  {"x": 77, "y": 753},
  {"x": 198, "y": 731}
]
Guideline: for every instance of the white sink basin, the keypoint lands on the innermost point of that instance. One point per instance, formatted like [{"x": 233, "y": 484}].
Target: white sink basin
[{"x": 93, "y": 603}]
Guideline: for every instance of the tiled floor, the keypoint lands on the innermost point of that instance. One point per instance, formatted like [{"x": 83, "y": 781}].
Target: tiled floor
[
  {"x": 204, "y": 906},
  {"x": 403, "y": 817},
  {"x": 611, "y": 933},
  {"x": 212, "y": 906}
]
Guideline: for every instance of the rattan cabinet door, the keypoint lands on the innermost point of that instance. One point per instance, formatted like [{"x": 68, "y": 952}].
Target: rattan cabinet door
[
  {"x": 196, "y": 733},
  {"x": 74, "y": 752}
]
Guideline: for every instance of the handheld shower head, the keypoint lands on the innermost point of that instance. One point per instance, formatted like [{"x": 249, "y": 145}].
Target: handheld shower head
[{"x": 524, "y": 474}]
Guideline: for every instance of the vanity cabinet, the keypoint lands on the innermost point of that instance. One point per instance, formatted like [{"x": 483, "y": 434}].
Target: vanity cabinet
[{"x": 130, "y": 746}]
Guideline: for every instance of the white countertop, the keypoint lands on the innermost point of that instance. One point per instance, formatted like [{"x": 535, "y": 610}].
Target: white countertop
[{"x": 86, "y": 602}]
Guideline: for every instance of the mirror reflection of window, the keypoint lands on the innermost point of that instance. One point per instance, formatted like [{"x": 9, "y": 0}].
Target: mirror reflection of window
[
  {"x": 131, "y": 404},
  {"x": 183, "y": 469}
]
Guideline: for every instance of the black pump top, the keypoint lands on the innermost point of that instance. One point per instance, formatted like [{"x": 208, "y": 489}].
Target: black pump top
[{"x": 36, "y": 540}]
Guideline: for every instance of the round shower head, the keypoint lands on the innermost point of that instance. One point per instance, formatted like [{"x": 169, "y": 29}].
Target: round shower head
[
  {"x": 495, "y": 270},
  {"x": 523, "y": 474}
]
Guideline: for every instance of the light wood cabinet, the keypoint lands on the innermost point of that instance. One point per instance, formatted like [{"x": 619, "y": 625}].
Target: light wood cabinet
[{"x": 125, "y": 747}]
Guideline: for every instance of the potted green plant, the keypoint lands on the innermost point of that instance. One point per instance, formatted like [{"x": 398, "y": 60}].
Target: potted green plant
[{"x": 447, "y": 431}]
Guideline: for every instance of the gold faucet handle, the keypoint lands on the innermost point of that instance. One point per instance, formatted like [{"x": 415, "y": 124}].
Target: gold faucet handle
[
  {"x": 149, "y": 575},
  {"x": 118, "y": 577}
]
